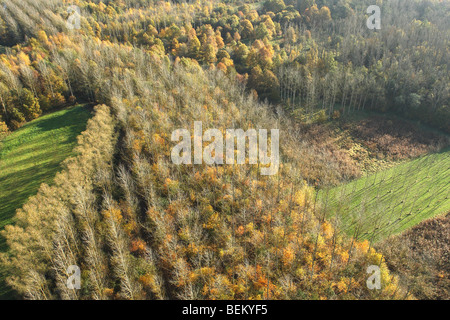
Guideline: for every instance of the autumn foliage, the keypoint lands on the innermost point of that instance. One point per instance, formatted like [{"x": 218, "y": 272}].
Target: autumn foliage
[{"x": 141, "y": 227}]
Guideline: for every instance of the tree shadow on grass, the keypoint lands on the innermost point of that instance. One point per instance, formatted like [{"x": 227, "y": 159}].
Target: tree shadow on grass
[{"x": 16, "y": 187}]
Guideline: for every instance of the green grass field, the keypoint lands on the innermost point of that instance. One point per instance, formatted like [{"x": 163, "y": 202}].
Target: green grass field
[
  {"x": 391, "y": 201},
  {"x": 31, "y": 156}
]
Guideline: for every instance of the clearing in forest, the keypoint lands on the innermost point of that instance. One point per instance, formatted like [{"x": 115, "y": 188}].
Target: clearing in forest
[
  {"x": 391, "y": 201},
  {"x": 31, "y": 156}
]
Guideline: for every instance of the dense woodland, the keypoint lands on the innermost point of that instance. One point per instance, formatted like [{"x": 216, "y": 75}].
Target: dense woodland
[
  {"x": 141, "y": 227},
  {"x": 316, "y": 57}
]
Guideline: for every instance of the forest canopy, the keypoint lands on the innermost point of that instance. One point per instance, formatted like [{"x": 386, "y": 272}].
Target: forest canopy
[
  {"x": 140, "y": 226},
  {"x": 315, "y": 57}
]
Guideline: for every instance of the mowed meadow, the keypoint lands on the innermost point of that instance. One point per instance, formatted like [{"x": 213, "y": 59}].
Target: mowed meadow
[
  {"x": 390, "y": 201},
  {"x": 31, "y": 156}
]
